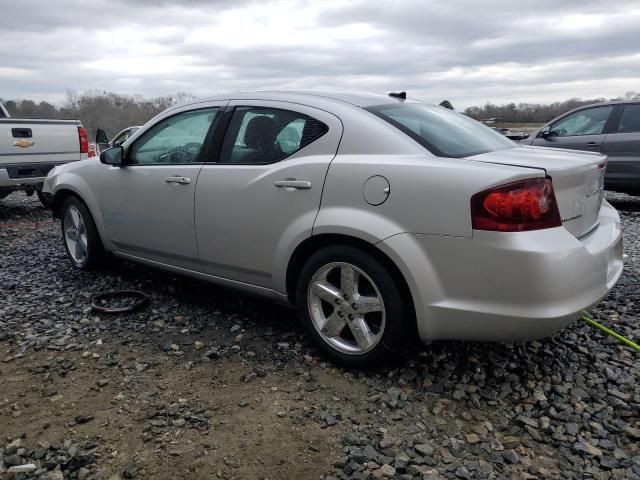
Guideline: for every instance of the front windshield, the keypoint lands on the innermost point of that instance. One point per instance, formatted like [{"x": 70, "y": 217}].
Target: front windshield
[{"x": 441, "y": 131}]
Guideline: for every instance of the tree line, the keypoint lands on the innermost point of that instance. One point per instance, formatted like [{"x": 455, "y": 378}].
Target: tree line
[
  {"x": 112, "y": 112},
  {"x": 532, "y": 112}
]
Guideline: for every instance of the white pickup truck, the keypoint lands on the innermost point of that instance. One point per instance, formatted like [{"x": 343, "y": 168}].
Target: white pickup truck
[{"x": 30, "y": 148}]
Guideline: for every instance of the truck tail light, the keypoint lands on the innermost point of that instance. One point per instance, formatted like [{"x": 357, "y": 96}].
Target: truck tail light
[
  {"x": 84, "y": 142},
  {"x": 516, "y": 207}
]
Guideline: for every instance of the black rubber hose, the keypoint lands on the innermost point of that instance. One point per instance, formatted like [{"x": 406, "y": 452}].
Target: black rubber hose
[{"x": 142, "y": 300}]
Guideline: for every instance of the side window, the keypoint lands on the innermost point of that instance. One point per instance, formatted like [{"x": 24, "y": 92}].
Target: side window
[
  {"x": 630, "y": 119},
  {"x": 585, "y": 122},
  {"x": 174, "y": 140},
  {"x": 258, "y": 135}
]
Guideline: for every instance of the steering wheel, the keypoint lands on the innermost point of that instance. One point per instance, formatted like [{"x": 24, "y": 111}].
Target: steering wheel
[
  {"x": 192, "y": 148},
  {"x": 183, "y": 154}
]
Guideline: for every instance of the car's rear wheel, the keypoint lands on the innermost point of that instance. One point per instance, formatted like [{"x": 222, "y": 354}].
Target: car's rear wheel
[
  {"x": 80, "y": 236},
  {"x": 46, "y": 199},
  {"x": 352, "y": 306}
]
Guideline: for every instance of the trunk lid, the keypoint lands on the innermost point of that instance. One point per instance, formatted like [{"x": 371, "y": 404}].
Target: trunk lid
[{"x": 577, "y": 180}]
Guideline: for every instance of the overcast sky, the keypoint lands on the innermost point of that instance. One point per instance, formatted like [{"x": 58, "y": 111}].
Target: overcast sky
[{"x": 469, "y": 52}]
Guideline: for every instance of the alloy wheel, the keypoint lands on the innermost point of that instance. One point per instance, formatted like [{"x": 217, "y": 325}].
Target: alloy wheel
[
  {"x": 75, "y": 235},
  {"x": 346, "y": 308}
]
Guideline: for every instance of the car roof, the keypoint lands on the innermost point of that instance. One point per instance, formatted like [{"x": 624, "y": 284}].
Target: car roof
[
  {"x": 609, "y": 102},
  {"x": 316, "y": 98}
]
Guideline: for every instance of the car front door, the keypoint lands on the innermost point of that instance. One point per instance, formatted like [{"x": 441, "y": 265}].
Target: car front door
[
  {"x": 147, "y": 205},
  {"x": 581, "y": 130},
  {"x": 622, "y": 146},
  {"x": 262, "y": 194}
]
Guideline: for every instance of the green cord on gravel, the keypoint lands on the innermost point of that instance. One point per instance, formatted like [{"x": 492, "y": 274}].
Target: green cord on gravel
[{"x": 623, "y": 339}]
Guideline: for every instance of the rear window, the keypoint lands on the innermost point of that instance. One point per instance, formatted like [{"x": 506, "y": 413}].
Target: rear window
[{"x": 441, "y": 131}]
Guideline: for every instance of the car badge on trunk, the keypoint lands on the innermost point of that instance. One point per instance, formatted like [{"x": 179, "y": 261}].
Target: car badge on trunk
[{"x": 23, "y": 143}]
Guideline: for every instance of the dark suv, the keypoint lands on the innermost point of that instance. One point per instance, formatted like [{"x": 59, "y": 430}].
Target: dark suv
[{"x": 612, "y": 128}]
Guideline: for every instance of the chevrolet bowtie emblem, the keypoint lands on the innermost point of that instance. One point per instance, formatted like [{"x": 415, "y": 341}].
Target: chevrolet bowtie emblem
[{"x": 23, "y": 143}]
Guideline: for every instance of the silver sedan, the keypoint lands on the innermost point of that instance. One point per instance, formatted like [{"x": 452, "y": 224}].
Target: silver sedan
[{"x": 382, "y": 219}]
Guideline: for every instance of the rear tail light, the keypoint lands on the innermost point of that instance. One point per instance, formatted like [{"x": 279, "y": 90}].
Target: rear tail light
[
  {"x": 84, "y": 142},
  {"x": 516, "y": 207}
]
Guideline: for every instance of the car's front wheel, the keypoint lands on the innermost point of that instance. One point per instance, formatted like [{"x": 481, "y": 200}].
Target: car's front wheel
[
  {"x": 352, "y": 306},
  {"x": 81, "y": 238}
]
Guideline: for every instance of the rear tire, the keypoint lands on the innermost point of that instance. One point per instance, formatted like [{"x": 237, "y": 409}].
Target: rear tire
[
  {"x": 80, "y": 235},
  {"x": 46, "y": 199},
  {"x": 352, "y": 307}
]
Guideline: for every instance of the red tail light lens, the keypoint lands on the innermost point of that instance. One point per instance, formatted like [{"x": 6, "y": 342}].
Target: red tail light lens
[
  {"x": 516, "y": 207},
  {"x": 84, "y": 142}
]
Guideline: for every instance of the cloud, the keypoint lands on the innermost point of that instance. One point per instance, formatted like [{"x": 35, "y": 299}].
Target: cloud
[{"x": 467, "y": 51}]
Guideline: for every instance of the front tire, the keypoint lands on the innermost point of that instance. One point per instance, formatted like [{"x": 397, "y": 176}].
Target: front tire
[
  {"x": 80, "y": 236},
  {"x": 352, "y": 307}
]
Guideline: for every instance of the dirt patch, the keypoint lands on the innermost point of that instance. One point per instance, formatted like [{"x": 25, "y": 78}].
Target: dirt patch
[{"x": 171, "y": 419}]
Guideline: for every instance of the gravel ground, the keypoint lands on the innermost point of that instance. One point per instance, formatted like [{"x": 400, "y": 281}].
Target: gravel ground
[{"x": 206, "y": 383}]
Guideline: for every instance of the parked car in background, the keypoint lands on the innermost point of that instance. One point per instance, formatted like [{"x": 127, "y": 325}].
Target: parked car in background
[
  {"x": 30, "y": 148},
  {"x": 612, "y": 128},
  {"x": 382, "y": 219},
  {"x": 517, "y": 136},
  {"x": 102, "y": 140}
]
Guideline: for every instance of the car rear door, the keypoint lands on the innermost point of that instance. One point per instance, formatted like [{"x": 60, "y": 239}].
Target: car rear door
[
  {"x": 581, "y": 130},
  {"x": 622, "y": 146},
  {"x": 261, "y": 192},
  {"x": 147, "y": 205}
]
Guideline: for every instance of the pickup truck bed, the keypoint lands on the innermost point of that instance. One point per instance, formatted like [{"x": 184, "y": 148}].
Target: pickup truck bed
[{"x": 29, "y": 149}]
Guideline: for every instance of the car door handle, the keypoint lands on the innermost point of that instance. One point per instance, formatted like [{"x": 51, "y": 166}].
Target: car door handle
[
  {"x": 180, "y": 180},
  {"x": 592, "y": 144},
  {"x": 292, "y": 183}
]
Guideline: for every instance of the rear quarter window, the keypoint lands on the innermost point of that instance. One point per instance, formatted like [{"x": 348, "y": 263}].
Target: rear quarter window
[{"x": 630, "y": 119}]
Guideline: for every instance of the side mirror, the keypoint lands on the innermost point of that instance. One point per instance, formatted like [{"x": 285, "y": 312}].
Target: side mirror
[
  {"x": 113, "y": 156},
  {"x": 545, "y": 132}
]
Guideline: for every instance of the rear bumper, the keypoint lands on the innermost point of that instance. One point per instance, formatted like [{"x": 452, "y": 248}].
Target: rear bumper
[
  {"x": 7, "y": 182},
  {"x": 507, "y": 286},
  {"x": 18, "y": 175}
]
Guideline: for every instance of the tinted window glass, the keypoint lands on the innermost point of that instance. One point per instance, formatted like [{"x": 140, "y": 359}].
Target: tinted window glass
[
  {"x": 441, "y": 131},
  {"x": 630, "y": 119},
  {"x": 259, "y": 135},
  {"x": 123, "y": 137},
  {"x": 177, "y": 139},
  {"x": 585, "y": 122}
]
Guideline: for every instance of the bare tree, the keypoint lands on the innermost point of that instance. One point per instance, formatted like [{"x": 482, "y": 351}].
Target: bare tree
[
  {"x": 527, "y": 112},
  {"x": 98, "y": 109}
]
